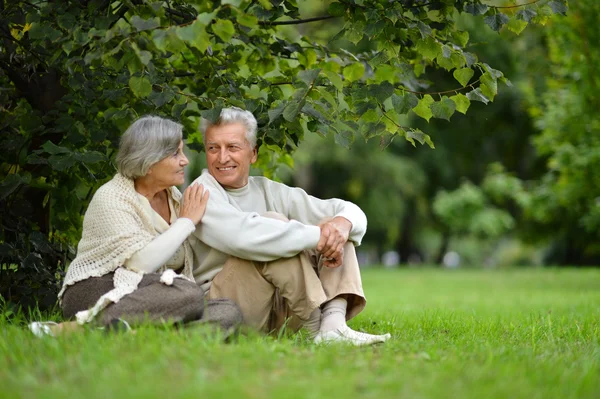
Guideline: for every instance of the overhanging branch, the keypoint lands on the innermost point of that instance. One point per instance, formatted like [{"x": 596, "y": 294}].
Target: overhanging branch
[{"x": 295, "y": 21}]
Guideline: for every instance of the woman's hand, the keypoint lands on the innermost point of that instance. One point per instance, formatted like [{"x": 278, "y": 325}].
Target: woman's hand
[{"x": 195, "y": 199}]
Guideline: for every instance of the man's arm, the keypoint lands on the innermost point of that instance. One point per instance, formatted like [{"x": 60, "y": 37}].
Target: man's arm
[
  {"x": 296, "y": 204},
  {"x": 248, "y": 235}
]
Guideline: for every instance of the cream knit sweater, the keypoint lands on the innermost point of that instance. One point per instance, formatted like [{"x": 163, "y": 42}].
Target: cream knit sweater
[{"x": 116, "y": 225}]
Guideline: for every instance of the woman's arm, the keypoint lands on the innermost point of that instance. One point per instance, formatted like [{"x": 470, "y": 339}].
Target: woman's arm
[{"x": 150, "y": 258}]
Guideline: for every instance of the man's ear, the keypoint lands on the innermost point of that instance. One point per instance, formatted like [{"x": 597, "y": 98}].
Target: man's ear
[{"x": 254, "y": 155}]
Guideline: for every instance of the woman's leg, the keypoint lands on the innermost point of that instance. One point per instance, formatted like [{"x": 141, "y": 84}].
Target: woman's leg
[{"x": 154, "y": 301}]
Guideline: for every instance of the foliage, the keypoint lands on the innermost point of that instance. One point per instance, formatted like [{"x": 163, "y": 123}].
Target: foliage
[
  {"x": 76, "y": 73},
  {"x": 467, "y": 210},
  {"x": 562, "y": 205}
]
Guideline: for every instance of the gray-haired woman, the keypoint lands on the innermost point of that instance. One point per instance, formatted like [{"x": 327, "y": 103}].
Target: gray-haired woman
[{"x": 134, "y": 261}]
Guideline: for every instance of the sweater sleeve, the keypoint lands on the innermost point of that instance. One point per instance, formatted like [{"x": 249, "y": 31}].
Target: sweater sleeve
[
  {"x": 248, "y": 235},
  {"x": 150, "y": 258},
  {"x": 296, "y": 204}
]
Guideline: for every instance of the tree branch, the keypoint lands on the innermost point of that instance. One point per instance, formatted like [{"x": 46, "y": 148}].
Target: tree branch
[{"x": 295, "y": 21}]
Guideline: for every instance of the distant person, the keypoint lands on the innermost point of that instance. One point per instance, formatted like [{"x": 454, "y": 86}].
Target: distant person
[
  {"x": 302, "y": 266},
  {"x": 136, "y": 255}
]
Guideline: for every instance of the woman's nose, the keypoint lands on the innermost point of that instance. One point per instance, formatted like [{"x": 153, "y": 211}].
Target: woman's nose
[{"x": 184, "y": 161}]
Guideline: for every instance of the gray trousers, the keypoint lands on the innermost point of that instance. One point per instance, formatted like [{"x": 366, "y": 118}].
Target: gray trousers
[{"x": 153, "y": 301}]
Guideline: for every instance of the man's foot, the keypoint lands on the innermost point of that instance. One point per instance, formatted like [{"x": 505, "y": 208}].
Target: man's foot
[{"x": 347, "y": 335}]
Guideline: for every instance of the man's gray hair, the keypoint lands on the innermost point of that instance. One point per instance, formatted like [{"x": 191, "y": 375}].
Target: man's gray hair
[
  {"x": 233, "y": 115},
  {"x": 147, "y": 141}
]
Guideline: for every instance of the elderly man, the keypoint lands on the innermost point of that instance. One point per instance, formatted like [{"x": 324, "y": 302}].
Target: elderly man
[{"x": 276, "y": 251}]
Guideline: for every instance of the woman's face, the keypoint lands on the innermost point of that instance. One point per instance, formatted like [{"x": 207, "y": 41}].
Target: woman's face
[{"x": 169, "y": 171}]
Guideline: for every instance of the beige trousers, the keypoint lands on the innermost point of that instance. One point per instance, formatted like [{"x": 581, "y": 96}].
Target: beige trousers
[{"x": 285, "y": 292}]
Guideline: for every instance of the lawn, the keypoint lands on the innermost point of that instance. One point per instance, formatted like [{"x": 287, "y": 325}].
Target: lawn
[{"x": 530, "y": 333}]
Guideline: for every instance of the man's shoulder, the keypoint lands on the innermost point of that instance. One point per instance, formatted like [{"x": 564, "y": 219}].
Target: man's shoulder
[
  {"x": 211, "y": 184},
  {"x": 266, "y": 183}
]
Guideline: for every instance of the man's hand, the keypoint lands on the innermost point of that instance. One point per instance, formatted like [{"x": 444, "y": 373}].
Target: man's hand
[{"x": 334, "y": 234}]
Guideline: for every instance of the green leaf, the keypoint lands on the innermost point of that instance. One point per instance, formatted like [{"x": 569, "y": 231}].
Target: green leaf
[
  {"x": 335, "y": 79},
  {"x": 274, "y": 113},
  {"x": 53, "y": 149},
  {"x": 372, "y": 115},
  {"x": 144, "y": 24},
  {"x": 476, "y": 95},
  {"x": 443, "y": 109},
  {"x": 429, "y": 48},
  {"x": 247, "y": 20},
  {"x": 496, "y": 74},
  {"x": 9, "y": 185},
  {"x": 309, "y": 76},
  {"x": 476, "y": 9},
  {"x": 140, "y": 86},
  {"x": 462, "y": 37},
  {"x": 160, "y": 98},
  {"x": 403, "y": 104},
  {"x": 195, "y": 35},
  {"x": 558, "y": 7},
  {"x": 471, "y": 58},
  {"x": 90, "y": 157},
  {"x": 417, "y": 134},
  {"x": 516, "y": 26},
  {"x": 61, "y": 162},
  {"x": 526, "y": 14},
  {"x": 354, "y": 71},
  {"x": 290, "y": 113},
  {"x": 143, "y": 55},
  {"x": 224, "y": 29},
  {"x": 423, "y": 109},
  {"x": 381, "y": 58},
  {"x": 345, "y": 138},
  {"x": 386, "y": 139},
  {"x": 336, "y": 10},
  {"x": 489, "y": 85},
  {"x": 211, "y": 114},
  {"x": 168, "y": 40},
  {"x": 178, "y": 109},
  {"x": 496, "y": 21},
  {"x": 463, "y": 75},
  {"x": 462, "y": 103},
  {"x": 381, "y": 91},
  {"x": 67, "y": 21}
]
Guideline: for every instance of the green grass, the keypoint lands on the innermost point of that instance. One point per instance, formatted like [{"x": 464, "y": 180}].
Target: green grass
[{"x": 460, "y": 334}]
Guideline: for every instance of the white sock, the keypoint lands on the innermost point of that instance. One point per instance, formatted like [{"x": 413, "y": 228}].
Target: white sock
[
  {"x": 333, "y": 314},
  {"x": 313, "y": 323}
]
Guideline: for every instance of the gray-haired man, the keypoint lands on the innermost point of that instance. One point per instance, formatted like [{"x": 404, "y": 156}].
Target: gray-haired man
[{"x": 303, "y": 267}]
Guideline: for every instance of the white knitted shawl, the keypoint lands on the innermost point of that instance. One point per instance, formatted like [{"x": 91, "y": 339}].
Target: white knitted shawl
[{"x": 115, "y": 226}]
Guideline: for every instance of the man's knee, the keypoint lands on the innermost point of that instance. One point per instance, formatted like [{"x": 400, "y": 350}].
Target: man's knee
[{"x": 276, "y": 216}]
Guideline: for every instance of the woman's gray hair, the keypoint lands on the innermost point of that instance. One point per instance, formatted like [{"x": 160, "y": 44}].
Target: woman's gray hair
[
  {"x": 147, "y": 141},
  {"x": 233, "y": 115}
]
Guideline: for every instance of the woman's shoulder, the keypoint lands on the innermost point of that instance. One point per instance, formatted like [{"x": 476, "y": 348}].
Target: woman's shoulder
[{"x": 118, "y": 189}]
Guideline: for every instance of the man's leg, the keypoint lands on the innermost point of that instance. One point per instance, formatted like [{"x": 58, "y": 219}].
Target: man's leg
[
  {"x": 253, "y": 286},
  {"x": 344, "y": 281},
  {"x": 345, "y": 299}
]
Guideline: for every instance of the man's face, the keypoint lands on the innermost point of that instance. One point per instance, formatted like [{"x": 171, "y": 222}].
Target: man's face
[{"x": 229, "y": 155}]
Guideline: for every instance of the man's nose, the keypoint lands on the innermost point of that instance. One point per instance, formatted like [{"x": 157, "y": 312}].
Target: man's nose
[{"x": 223, "y": 155}]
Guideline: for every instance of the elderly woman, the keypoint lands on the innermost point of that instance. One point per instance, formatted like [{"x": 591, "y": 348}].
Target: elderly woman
[{"x": 134, "y": 261}]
